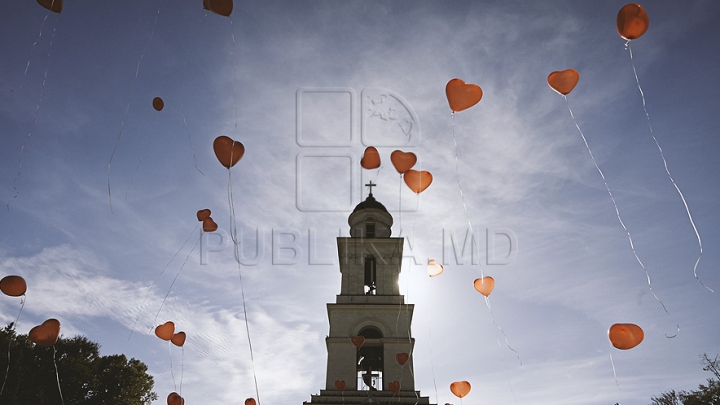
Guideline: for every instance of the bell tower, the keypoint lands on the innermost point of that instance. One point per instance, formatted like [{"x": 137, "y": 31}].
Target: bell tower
[{"x": 370, "y": 346}]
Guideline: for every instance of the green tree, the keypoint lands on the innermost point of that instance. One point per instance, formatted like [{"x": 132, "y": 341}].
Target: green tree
[
  {"x": 705, "y": 394},
  {"x": 85, "y": 377}
]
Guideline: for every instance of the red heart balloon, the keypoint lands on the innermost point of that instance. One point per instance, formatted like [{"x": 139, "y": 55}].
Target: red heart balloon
[
  {"x": 158, "y": 104},
  {"x": 13, "y": 286},
  {"x": 403, "y": 161},
  {"x": 632, "y": 21},
  {"x": 434, "y": 268},
  {"x": 175, "y": 399},
  {"x": 178, "y": 339},
  {"x": 45, "y": 334},
  {"x": 370, "y": 159},
  {"x": 402, "y": 358},
  {"x": 220, "y": 7},
  {"x": 358, "y": 341},
  {"x": 418, "y": 181},
  {"x": 563, "y": 81},
  {"x": 165, "y": 331},
  {"x": 250, "y": 401},
  {"x": 209, "y": 225},
  {"x": 484, "y": 285},
  {"x": 53, "y": 5},
  {"x": 460, "y": 388},
  {"x": 394, "y": 387},
  {"x": 227, "y": 151},
  {"x": 625, "y": 336},
  {"x": 340, "y": 385},
  {"x": 202, "y": 214},
  {"x": 461, "y": 95}
]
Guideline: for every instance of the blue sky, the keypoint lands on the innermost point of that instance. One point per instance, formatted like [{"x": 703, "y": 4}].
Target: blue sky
[{"x": 303, "y": 85}]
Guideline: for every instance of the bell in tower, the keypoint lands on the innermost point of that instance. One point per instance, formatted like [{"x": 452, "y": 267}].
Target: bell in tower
[{"x": 370, "y": 322}]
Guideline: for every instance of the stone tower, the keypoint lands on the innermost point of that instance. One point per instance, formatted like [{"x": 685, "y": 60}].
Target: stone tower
[{"x": 370, "y": 308}]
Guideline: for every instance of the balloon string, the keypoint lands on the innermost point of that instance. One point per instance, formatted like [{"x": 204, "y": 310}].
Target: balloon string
[
  {"x": 182, "y": 99},
  {"x": 158, "y": 278},
  {"x": 487, "y": 302},
  {"x": 667, "y": 170},
  {"x": 171, "y": 366},
  {"x": 182, "y": 367},
  {"x": 432, "y": 363},
  {"x": 10, "y": 340},
  {"x": 35, "y": 115},
  {"x": 236, "y": 249},
  {"x": 232, "y": 35},
  {"x": 462, "y": 195},
  {"x": 617, "y": 211},
  {"x": 613, "y": 368},
  {"x": 127, "y": 108},
  {"x": 57, "y": 376},
  {"x": 175, "y": 279}
]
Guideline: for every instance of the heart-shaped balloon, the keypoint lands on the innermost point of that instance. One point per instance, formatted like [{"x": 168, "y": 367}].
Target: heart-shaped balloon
[
  {"x": 250, "y": 401},
  {"x": 434, "y": 268},
  {"x": 53, "y": 5},
  {"x": 45, "y": 334},
  {"x": 178, "y": 339},
  {"x": 340, "y": 385},
  {"x": 484, "y": 285},
  {"x": 158, "y": 104},
  {"x": 461, "y": 95},
  {"x": 13, "y": 286},
  {"x": 358, "y": 341},
  {"x": 460, "y": 388},
  {"x": 402, "y": 358},
  {"x": 625, "y": 336},
  {"x": 632, "y": 21},
  {"x": 394, "y": 387},
  {"x": 220, "y": 7},
  {"x": 563, "y": 81},
  {"x": 403, "y": 161},
  {"x": 209, "y": 225},
  {"x": 418, "y": 181},
  {"x": 175, "y": 399},
  {"x": 202, "y": 214},
  {"x": 227, "y": 151},
  {"x": 165, "y": 331},
  {"x": 370, "y": 159}
]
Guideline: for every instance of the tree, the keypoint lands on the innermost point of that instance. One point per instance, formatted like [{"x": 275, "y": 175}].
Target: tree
[
  {"x": 85, "y": 377},
  {"x": 705, "y": 394}
]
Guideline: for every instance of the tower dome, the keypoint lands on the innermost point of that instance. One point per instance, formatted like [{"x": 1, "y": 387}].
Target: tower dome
[{"x": 370, "y": 219}]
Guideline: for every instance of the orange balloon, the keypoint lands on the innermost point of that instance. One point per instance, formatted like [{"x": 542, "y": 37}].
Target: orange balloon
[
  {"x": 370, "y": 159},
  {"x": 175, "y": 399},
  {"x": 228, "y": 151},
  {"x": 460, "y": 388},
  {"x": 250, "y": 401},
  {"x": 202, "y": 214},
  {"x": 403, "y": 161},
  {"x": 632, "y": 21},
  {"x": 625, "y": 336},
  {"x": 13, "y": 286},
  {"x": 209, "y": 225},
  {"x": 178, "y": 339},
  {"x": 563, "y": 81},
  {"x": 165, "y": 331},
  {"x": 221, "y": 7},
  {"x": 434, "y": 268},
  {"x": 53, "y": 5},
  {"x": 358, "y": 341},
  {"x": 418, "y": 181},
  {"x": 461, "y": 95},
  {"x": 484, "y": 285},
  {"x": 158, "y": 104},
  {"x": 340, "y": 385},
  {"x": 45, "y": 334},
  {"x": 394, "y": 387},
  {"x": 402, "y": 358}
]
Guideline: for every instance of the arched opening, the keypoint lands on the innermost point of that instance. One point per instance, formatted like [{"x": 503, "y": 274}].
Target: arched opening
[
  {"x": 370, "y": 278},
  {"x": 370, "y": 360}
]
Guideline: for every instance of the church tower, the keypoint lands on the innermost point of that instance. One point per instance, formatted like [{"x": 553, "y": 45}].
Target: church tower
[{"x": 370, "y": 344}]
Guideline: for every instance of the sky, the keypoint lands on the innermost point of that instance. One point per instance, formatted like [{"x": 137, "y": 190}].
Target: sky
[{"x": 102, "y": 190}]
